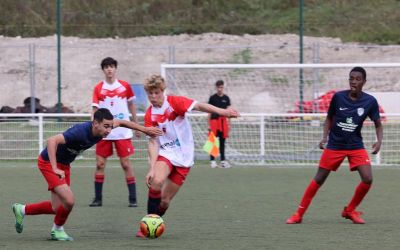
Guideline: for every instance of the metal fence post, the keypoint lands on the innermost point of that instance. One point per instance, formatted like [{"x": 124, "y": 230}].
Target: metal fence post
[
  {"x": 41, "y": 136},
  {"x": 262, "y": 138},
  {"x": 32, "y": 49}
]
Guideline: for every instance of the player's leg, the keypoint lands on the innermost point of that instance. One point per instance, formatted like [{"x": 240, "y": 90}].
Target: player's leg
[
  {"x": 330, "y": 161},
  {"x": 224, "y": 163},
  {"x": 168, "y": 192},
  {"x": 175, "y": 180},
  {"x": 124, "y": 149},
  {"x": 162, "y": 169},
  {"x": 213, "y": 163},
  {"x": 43, "y": 207},
  {"x": 103, "y": 151},
  {"x": 63, "y": 201},
  {"x": 308, "y": 195},
  {"x": 365, "y": 171}
]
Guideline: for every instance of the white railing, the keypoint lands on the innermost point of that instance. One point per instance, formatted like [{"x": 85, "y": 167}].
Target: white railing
[{"x": 255, "y": 139}]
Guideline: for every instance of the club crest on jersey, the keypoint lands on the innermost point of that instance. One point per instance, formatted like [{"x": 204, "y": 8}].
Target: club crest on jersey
[{"x": 360, "y": 111}]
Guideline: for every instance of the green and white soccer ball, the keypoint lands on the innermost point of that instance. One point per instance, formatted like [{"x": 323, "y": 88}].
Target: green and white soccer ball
[{"x": 152, "y": 226}]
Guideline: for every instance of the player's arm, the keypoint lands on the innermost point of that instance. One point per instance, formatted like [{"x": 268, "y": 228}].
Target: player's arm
[
  {"x": 325, "y": 132},
  {"x": 94, "y": 109},
  {"x": 150, "y": 131},
  {"x": 379, "y": 136},
  {"x": 153, "y": 154},
  {"x": 328, "y": 122},
  {"x": 52, "y": 144},
  {"x": 205, "y": 107},
  {"x": 95, "y": 101},
  {"x": 133, "y": 110}
]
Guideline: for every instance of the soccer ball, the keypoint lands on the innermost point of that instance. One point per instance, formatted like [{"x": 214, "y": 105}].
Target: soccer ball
[{"x": 152, "y": 226}]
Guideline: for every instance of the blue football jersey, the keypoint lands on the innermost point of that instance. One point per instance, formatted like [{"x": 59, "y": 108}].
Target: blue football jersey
[
  {"x": 348, "y": 117},
  {"x": 78, "y": 138}
]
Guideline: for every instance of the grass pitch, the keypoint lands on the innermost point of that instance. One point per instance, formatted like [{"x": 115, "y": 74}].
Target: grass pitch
[{"x": 238, "y": 208}]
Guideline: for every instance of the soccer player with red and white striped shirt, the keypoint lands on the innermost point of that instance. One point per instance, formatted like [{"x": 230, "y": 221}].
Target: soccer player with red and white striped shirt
[
  {"x": 347, "y": 112},
  {"x": 171, "y": 155},
  {"x": 117, "y": 96}
]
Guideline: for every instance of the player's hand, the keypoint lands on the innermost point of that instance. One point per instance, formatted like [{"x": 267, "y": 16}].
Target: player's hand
[
  {"x": 322, "y": 143},
  {"x": 153, "y": 131},
  {"x": 149, "y": 178},
  {"x": 231, "y": 113},
  {"x": 137, "y": 134},
  {"x": 60, "y": 173},
  {"x": 376, "y": 147}
]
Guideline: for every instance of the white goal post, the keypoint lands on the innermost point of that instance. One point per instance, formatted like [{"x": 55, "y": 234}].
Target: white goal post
[{"x": 286, "y": 104}]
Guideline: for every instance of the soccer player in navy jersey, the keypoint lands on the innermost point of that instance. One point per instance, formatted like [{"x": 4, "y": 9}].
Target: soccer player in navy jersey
[
  {"x": 347, "y": 112},
  {"x": 54, "y": 163}
]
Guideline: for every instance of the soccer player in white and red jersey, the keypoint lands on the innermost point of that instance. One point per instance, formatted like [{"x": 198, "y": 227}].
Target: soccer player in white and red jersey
[
  {"x": 117, "y": 96},
  {"x": 171, "y": 155},
  {"x": 347, "y": 112}
]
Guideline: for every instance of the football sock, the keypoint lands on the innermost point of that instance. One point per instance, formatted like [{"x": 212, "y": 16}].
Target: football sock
[
  {"x": 162, "y": 209},
  {"x": 98, "y": 186},
  {"x": 55, "y": 227},
  {"x": 43, "y": 207},
  {"x": 131, "y": 183},
  {"x": 307, "y": 197},
  {"x": 61, "y": 215},
  {"x": 153, "y": 202},
  {"x": 359, "y": 194}
]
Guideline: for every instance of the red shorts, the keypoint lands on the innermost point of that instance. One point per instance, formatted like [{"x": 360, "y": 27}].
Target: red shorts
[
  {"x": 331, "y": 159},
  {"x": 178, "y": 174},
  {"x": 52, "y": 179},
  {"x": 124, "y": 147}
]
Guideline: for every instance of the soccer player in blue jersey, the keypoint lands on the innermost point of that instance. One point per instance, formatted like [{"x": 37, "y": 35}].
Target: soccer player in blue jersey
[
  {"x": 54, "y": 163},
  {"x": 347, "y": 112}
]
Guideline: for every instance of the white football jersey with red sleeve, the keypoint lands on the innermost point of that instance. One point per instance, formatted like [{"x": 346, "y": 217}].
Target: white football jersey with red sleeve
[
  {"x": 176, "y": 144},
  {"x": 115, "y": 97}
]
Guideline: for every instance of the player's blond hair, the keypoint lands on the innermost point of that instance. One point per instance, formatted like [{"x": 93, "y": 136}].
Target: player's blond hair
[{"x": 154, "y": 82}]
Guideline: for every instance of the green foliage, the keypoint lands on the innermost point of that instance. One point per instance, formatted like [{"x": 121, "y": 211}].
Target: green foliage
[
  {"x": 243, "y": 56},
  {"x": 370, "y": 21}
]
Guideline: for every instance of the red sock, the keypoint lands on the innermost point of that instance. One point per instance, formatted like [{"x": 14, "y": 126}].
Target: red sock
[
  {"x": 99, "y": 178},
  {"x": 308, "y": 196},
  {"x": 43, "y": 207},
  {"x": 361, "y": 190},
  {"x": 130, "y": 180},
  {"x": 61, "y": 216}
]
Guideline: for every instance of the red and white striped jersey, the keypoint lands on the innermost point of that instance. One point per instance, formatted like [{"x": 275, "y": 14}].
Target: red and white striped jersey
[
  {"x": 115, "y": 97},
  {"x": 176, "y": 144}
]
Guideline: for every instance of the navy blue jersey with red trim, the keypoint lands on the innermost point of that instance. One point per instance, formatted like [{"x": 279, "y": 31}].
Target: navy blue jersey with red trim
[
  {"x": 348, "y": 117},
  {"x": 78, "y": 138}
]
